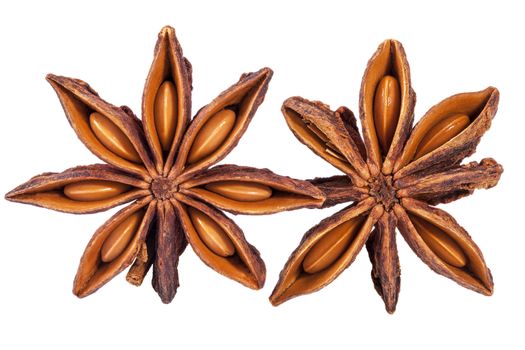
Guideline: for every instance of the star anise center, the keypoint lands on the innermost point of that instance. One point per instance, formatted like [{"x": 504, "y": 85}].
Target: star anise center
[
  {"x": 164, "y": 188},
  {"x": 382, "y": 189}
]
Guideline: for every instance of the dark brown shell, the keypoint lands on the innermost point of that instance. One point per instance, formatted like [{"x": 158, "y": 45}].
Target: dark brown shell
[
  {"x": 78, "y": 100},
  {"x": 390, "y": 58},
  {"x": 45, "y": 190},
  {"x": 297, "y": 111},
  {"x": 168, "y": 64},
  {"x": 393, "y": 180},
  {"x": 245, "y": 266},
  {"x": 287, "y": 193},
  {"x": 475, "y": 276},
  {"x": 246, "y": 96},
  {"x": 170, "y": 243},
  {"x": 92, "y": 272},
  {"x": 339, "y": 189},
  {"x": 293, "y": 281},
  {"x": 452, "y": 184},
  {"x": 480, "y": 106},
  {"x": 382, "y": 250}
]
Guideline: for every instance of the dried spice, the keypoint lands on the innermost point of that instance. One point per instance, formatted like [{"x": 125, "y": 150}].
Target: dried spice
[
  {"x": 394, "y": 175},
  {"x": 162, "y": 164}
]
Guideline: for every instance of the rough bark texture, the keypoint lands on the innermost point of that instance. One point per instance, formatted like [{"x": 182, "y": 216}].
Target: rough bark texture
[
  {"x": 294, "y": 281},
  {"x": 339, "y": 189},
  {"x": 394, "y": 180},
  {"x": 287, "y": 193},
  {"x": 245, "y": 266},
  {"x": 46, "y": 190},
  {"x": 170, "y": 244},
  {"x": 453, "y": 184},
  {"x": 475, "y": 275},
  {"x": 93, "y": 273},
  {"x": 157, "y": 173},
  {"x": 382, "y": 250},
  {"x": 250, "y": 90}
]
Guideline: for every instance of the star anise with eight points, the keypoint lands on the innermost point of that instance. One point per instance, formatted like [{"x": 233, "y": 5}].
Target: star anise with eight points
[
  {"x": 162, "y": 163},
  {"x": 395, "y": 175}
]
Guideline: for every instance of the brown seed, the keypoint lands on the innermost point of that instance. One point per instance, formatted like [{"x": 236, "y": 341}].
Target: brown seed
[
  {"x": 211, "y": 233},
  {"x": 440, "y": 242},
  {"x": 331, "y": 150},
  {"x": 317, "y": 132},
  {"x": 329, "y": 248},
  {"x": 119, "y": 239},
  {"x": 166, "y": 114},
  {"x": 387, "y": 103},
  {"x": 212, "y": 135},
  {"x": 94, "y": 190},
  {"x": 442, "y": 132},
  {"x": 112, "y": 137},
  {"x": 241, "y": 191}
]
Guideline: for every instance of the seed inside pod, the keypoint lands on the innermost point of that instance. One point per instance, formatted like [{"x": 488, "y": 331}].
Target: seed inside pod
[
  {"x": 119, "y": 238},
  {"x": 94, "y": 190},
  {"x": 440, "y": 242},
  {"x": 317, "y": 132},
  {"x": 112, "y": 137},
  {"x": 334, "y": 152},
  {"x": 329, "y": 248},
  {"x": 442, "y": 132},
  {"x": 166, "y": 114},
  {"x": 212, "y": 135},
  {"x": 211, "y": 233},
  {"x": 387, "y": 104},
  {"x": 331, "y": 149},
  {"x": 241, "y": 191}
]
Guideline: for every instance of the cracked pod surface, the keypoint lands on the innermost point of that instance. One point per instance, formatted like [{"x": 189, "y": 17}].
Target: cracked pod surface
[
  {"x": 163, "y": 166},
  {"x": 394, "y": 175}
]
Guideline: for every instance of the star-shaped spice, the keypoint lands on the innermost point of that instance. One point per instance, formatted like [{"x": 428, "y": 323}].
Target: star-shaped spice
[
  {"x": 395, "y": 174},
  {"x": 162, "y": 163}
]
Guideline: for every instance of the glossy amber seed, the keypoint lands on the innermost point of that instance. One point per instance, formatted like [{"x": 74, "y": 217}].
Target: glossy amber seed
[
  {"x": 211, "y": 233},
  {"x": 119, "y": 238},
  {"x": 440, "y": 242},
  {"x": 112, "y": 137},
  {"x": 212, "y": 135},
  {"x": 442, "y": 132},
  {"x": 94, "y": 190},
  {"x": 166, "y": 114},
  {"x": 387, "y": 104},
  {"x": 333, "y": 244},
  {"x": 241, "y": 191}
]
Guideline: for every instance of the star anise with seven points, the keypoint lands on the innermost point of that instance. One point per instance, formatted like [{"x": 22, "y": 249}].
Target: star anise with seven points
[
  {"x": 395, "y": 175},
  {"x": 162, "y": 163}
]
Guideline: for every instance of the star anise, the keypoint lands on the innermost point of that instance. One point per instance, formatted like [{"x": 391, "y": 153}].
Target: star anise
[
  {"x": 394, "y": 177},
  {"x": 162, "y": 164}
]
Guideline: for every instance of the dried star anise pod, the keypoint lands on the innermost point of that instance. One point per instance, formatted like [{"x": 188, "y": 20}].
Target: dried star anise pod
[
  {"x": 395, "y": 175},
  {"x": 162, "y": 163}
]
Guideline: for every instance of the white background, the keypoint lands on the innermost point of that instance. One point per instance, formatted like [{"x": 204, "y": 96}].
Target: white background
[{"x": 318, "y": 51}]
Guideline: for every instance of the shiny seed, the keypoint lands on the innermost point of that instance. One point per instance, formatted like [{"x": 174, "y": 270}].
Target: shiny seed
[
  {"x": 440, "y": 242},
  {"x": 211, "y": 233},
  {"x": 329, "y": 248},
  {"x": 166, "y": 114},
  {"x": 212, "y": 135},
  {"x": 441, "y": 133},
  {"x": 112, "y": 137},
  {"x": 94, "y": 190},
  {"x": 240, "y": 190},
  {"x": 119, "y": 238},
  {"x": 387, "y": 103}
]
